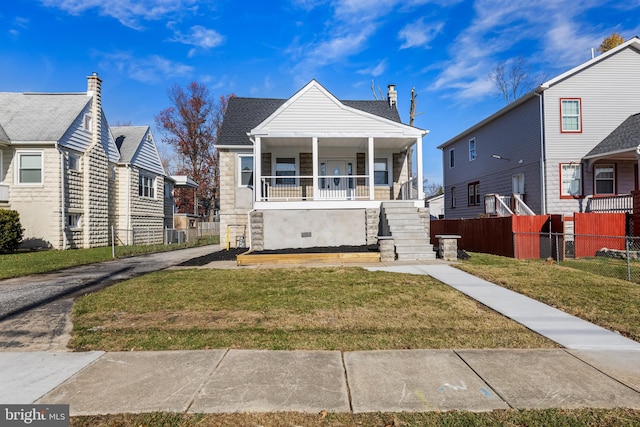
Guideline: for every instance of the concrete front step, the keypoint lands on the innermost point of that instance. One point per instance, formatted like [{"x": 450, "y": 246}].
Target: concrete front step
[
  {"x": 410, "y": 235},
  {"x": 414, "y": 250},
  {"x": 416, "y": 257}
]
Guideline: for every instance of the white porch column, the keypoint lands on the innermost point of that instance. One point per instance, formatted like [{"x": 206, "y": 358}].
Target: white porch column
[
  {"x": 371, "y": 172},
  {"x": 314, "y": 159},
  {"x": 420, "y": 172},
  {"x": 257, "y": 169}
]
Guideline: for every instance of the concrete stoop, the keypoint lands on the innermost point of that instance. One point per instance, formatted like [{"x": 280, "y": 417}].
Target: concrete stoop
[{"x": 408, "y": 232}]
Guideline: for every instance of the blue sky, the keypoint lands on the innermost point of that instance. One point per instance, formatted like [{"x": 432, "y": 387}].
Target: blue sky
[{"x": 260, "y": 48}]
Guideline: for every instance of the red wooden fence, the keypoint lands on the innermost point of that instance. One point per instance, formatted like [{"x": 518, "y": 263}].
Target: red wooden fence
[
  {"x": 594, "y": 231},
  {"x": 513, "y": 236}
]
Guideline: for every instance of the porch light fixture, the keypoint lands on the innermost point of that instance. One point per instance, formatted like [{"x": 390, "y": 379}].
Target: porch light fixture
[{"x": 499, "y": 157}]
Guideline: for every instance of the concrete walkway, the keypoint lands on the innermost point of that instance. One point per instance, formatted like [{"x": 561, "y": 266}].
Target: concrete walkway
[
  {"x": 597, "y": 369},
  {"x": 569, "y": 331}
]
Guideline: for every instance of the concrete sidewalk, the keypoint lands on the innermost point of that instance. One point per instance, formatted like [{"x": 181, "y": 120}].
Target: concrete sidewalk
[{"x": 223, "y": 381}]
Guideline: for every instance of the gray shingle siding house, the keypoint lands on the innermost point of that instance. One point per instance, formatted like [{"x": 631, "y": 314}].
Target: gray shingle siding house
[
  {"x": 562, "y": 148},
  {"x": 312, "y": 170},
  {"x": 59, "y": 168}
]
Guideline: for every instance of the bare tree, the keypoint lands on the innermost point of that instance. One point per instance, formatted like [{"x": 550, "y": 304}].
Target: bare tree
[
  {"x": 191, "y": 126},
  {"x": 432, "y": 188},
  {"x": 512, "y": 78}
]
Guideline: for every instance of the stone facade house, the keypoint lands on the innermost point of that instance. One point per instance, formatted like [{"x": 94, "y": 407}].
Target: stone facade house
[
  {"x": 141, "y": 192},
  {"x": 570, "y": 145},
  {"x": 316, "y": 171},
  {"x": 62, "y": 170}
]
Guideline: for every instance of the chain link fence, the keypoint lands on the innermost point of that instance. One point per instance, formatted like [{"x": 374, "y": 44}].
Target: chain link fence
[
  {"x": 128, "y": 241},
  {"x": 609, "y": 256}
]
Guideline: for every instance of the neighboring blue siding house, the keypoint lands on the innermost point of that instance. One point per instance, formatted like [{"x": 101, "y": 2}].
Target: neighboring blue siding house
[{"x": 568, "y": 146}]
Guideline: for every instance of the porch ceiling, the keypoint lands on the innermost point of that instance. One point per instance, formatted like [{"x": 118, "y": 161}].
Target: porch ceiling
[{"x": 360, "y": 143}]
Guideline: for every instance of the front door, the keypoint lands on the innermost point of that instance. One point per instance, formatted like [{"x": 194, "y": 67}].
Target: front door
[{"x": 334, "y": 181}]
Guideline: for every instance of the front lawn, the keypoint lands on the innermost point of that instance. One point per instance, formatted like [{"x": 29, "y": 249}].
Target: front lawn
[{"x": 285, "y": 309}]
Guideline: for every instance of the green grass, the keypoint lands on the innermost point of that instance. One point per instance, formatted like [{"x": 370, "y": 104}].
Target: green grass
[
  {"x": 608, "y": 267},
  {"x": 33, "y": 262},
  {"x": 286, "y": 309},
  {"x": 547, "y": 417},
  {"x": 604, "y": 300}
]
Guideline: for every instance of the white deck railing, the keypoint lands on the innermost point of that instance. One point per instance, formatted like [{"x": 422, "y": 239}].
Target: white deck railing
[
  {"x": 300, "y": 188},
  {"x": 620, "y": 203},
  {"x": 409, "y": 189}
]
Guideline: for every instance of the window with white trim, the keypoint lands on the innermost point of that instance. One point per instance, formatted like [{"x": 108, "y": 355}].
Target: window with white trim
[
  {"x": 570, "y": 110},
  {"x": 380, "y": 171},
  {"x": 29, "y": 170},
  {"x": 245, "y": 171},
  {"x": 87, "y": 123},
  {"x": 285, "y": 167},
  {"x": 472, "y": 149},
  {"x": 605, "y": 178},
  {"x": 452, "y": 158},
  {"x": 146, "y": 186},
  {"x": 570, "y": 180},
  {"x": 74, "y": 162},
  {"x": 74, "y": 220}
]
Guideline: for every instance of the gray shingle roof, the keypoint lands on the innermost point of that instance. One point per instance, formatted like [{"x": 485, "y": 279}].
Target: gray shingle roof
[
  {"x": 128, "y": 139},
  {"x": 39, "y": 116},
  {"x": 623, "y": 138},
  {"x": 244, "y": 114}
]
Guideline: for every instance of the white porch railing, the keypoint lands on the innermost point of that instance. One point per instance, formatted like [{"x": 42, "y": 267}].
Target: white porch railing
[
  {"x": 300, "y": 188},
  {"x": 4, "y": 193},
  {"x": 495, "y": 204},
  {"x": 409, "y": 189},
  {"x": 520, "y": 207},
  {"x": 620, "y": 203}
]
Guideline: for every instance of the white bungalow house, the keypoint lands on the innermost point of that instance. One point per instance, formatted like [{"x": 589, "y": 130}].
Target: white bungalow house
[
  {"x": 67, "y": 176},
  {"x": 570, "y": 145},
  {"x": 313, "y": 170}
]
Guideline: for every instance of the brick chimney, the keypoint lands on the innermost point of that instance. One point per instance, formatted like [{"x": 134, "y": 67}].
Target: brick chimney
[
  {"x": 94, "y": 89},
  {"x": 392, "y": 95}
]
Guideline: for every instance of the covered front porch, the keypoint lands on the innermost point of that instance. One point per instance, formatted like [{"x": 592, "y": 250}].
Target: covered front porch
[{"x": 332, "y": 170}]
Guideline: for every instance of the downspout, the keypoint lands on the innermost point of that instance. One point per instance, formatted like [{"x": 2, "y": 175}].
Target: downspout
[
  {"x": 128, "y": 201},
  {"x": 62, "y": 210},
  {"x": 248, "y": 236},
  {"x": 543, "y": 183}
]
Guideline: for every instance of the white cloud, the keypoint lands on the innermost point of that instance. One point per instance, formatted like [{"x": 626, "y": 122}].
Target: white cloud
[
  {"x": 419, "y": 33},
  {"x": 152, "y": 69},
  {"x": 376, "y": 70},
  {"x": 200, "y": 37},
  {"x": 128, "y": 12}
]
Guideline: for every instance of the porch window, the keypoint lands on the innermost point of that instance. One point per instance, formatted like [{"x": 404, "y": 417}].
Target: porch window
[
  {"x": 286, "y": 166},
  {"x": 571, "y": 180},
  {"x": 246, "y": 170},
  {"x": 452, "y": 158},
  {"x": 605, "y": 179},
  {"x": 146, "y": 186},
  {"x": 472, "y": 149},
  {"x": 380, "y": 172},
  {"x": 474, "y": 193},
  {"x": 570, "y": 111},
  {"x": 29, "y": 168}
]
